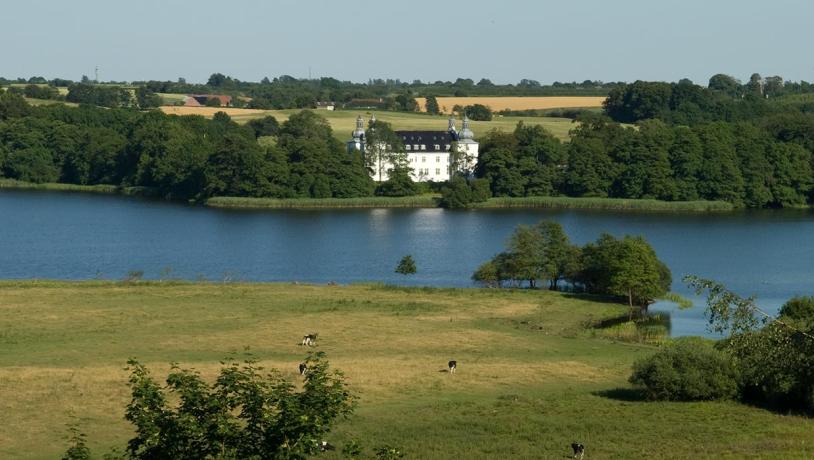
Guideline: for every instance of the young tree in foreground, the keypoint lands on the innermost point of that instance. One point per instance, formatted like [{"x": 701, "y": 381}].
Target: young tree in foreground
[
  {"x": 245, "y": 414},
  {"x": 774, "y": 354},
  {"x": 406, "y": 265}
]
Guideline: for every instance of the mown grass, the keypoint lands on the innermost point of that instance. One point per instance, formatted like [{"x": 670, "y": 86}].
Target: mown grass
[
  {"x": 419, "y": 201},
  {"x": 612, "y": 204},
  {"x": 530, "y": 379}
]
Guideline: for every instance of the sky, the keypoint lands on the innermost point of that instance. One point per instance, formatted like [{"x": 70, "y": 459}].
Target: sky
[{"x": 502, "y": 40}]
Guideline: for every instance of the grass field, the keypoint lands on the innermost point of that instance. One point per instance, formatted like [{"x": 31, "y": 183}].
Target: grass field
[
  {"x": 38, "y": 102},
  {"x": 531, "y": 377},
  {"x": 344, "y": 121},
  {"x": 171, "y": 98},
  {"x": 445, "y": 104}
]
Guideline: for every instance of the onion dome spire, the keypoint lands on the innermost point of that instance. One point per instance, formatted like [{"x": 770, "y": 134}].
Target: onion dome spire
[
  {"x": 466, "y": 133},
  {"x": 359, "y": 132}
]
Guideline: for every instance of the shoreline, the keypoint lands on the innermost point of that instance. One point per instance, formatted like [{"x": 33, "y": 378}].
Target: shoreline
[
  {"x": 13, "y": 184},
  {"x": 432, "y": 201},
  {"x": 417, "y": 202}
]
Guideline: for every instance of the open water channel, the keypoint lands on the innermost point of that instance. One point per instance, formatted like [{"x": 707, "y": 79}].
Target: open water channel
[{"x": 45, "y": 235}]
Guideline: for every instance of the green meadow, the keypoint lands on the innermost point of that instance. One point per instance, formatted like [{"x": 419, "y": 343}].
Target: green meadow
[{"x": 533, "y": 375}]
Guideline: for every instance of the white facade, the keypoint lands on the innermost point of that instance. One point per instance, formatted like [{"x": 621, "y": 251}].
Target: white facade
[{"x": 427, "y": 152}]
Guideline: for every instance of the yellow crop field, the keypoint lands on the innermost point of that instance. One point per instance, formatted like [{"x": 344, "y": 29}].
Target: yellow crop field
[
  {"x": 516, "y": 103},
  {"x": 344, "y": 121}
]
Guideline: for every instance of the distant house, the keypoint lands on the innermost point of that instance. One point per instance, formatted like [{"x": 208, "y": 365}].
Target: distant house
[
  {"x": 200, "y": 100},
  {"x": 326, "y": 105}
]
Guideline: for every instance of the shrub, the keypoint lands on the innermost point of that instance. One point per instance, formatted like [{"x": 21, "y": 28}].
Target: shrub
[
  {"x": 799, "y": 308},
  {"x": 246, "y": 413},
  {"x": 687, "y": 370},
  {"x": 776, "y": 365},
  {"x": 463, "y": 193},
  {"x": 406, "y": 265}
]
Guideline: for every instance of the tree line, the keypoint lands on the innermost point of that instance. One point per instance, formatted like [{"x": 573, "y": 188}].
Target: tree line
[
  {"x": 286, "y": 92},
  {"x": 625, "y": 268},
  {"x": 180, "y": 157},
  {"x": 765, "y": 164}
]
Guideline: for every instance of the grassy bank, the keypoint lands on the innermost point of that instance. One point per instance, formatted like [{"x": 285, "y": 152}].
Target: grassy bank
[
  {"x": 531, "y": 379},
  {"x": 421, "y": 201},
  {"x": 12, "y": 184},
  {"x": 611, "y": 204},
  {"x": 430, "y": 201}
]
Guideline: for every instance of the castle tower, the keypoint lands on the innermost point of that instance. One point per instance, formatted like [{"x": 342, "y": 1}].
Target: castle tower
[
  {"x": 357, "y": 141},
  {"x": 468, "y": 146},
  {"x": 451, "y": 128},
  {"x": 466, "y": 133}
]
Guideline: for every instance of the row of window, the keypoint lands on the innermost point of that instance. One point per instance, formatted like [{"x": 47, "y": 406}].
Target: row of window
[
  {"x": 426, "y": 171},
  {"x": 419, "y": 137},
  {"x": 424, "y": 147},
  {"x": 424, "y": 159}
]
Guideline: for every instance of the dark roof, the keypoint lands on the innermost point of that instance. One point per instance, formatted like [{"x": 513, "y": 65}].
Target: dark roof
[{"x": 428, "y": 138}]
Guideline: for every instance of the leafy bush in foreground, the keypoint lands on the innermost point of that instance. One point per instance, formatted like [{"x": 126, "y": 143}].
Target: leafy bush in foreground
[
  {"x": 244, "y": 414},
  {"x": 688, "y": 370}
]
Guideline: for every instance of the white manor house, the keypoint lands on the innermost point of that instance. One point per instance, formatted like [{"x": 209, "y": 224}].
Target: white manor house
[{"x": 428, "y": 152}]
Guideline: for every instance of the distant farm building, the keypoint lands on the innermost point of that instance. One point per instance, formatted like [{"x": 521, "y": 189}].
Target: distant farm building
[
  {"x": 200, "y": 100},
  {"x": 326, "y": 105}
]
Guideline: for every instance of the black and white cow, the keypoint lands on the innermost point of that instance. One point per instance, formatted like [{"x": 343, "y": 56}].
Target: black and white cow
[
  {"x": 309, "y": 340},
  {"x": 452, "y": 366},
  {"x": 579, "y": 449}
]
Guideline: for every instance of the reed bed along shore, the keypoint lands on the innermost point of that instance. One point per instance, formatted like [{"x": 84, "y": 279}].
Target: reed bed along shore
[
  {"x": 610, "y": 204},
  {"x": 11, "y": 184},
  {"x": 431, "y": 201},
  {"x": 420, "y": 201}
]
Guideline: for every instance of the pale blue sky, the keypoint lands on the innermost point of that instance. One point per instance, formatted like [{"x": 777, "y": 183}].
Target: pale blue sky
[{"x": 503, "y": 40}]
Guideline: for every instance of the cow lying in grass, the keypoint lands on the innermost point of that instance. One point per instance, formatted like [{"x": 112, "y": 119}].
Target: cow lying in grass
[{"x": 309, "y": 340}]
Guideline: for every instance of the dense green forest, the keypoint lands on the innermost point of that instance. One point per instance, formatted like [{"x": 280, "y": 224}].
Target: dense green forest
[
  {"x": 186, "y": 157},
  {"x": 750, "y": 145}
]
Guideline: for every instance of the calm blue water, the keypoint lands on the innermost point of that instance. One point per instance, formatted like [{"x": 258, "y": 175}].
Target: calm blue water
[{"x": 76, "y": 236}]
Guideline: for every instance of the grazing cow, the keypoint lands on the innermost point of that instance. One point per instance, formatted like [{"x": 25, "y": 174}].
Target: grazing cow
[
  {"x": 452, "y": 366},
  {"x": 309, "y": 340},
  {"x": 325, "y": 446},
  {"x": 303, "y": 368},
  {"x": 579, "y": 449}
]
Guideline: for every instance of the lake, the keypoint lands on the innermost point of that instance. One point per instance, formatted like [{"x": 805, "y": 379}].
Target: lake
[{"x": 767, "y": 253}]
